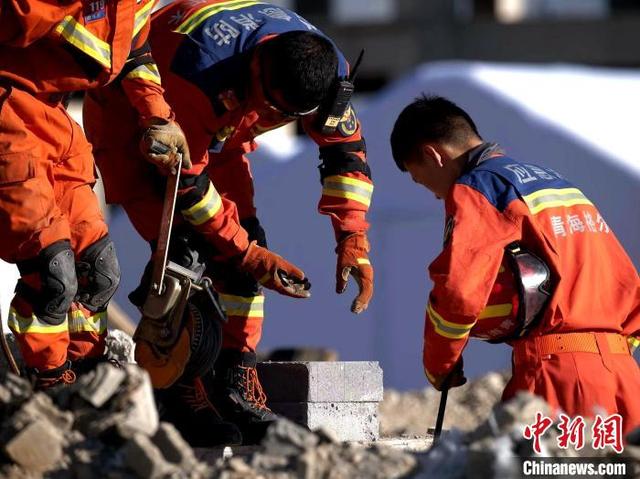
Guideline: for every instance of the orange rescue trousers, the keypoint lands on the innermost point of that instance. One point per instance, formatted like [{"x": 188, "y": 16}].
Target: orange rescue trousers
[
  {"x": 579, "y": 374},
  {"x": 46, "y": 179}
]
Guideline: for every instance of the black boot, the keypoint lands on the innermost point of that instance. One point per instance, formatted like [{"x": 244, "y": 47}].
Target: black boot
[
  {"x": 188, "y": 407},
  {"x": 60, "y": 376},
  {"x": 238, "y": 395}
]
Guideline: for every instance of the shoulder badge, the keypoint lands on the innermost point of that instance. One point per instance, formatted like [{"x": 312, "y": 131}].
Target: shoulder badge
[{"x": 349, "y": 123}]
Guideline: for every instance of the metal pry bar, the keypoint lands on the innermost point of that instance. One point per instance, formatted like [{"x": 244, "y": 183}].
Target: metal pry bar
[{"x": 166, "y": 222}]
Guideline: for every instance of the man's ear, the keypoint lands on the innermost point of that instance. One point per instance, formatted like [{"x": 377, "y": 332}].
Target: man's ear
[{"x": 431, "y": 153}]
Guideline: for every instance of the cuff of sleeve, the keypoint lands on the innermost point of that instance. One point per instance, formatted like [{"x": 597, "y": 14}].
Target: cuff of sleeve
[{"x": 156, "y": 108}]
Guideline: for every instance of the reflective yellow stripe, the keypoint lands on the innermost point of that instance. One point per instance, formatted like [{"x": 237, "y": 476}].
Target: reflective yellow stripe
[
  {"x": 447, "y": 328},
  {"x": 496, "y": 311},
  {"x": 84, "y": 40},
  {"x": 349, "y": 181},
  {"x": 147, "y": 71},
  {"x": 142, "y": 16},
  {"x": 363, "y": 261},
  {"x": 248, "y": 307},
  {"x": 633, "y": 343},
  {"x": 199, "y": 16},
  {"x": 96, "y": 323},
  {"x": 31, "y": 324},
  {"x": 351, "y": 188},
  {"x": 552, "y": 197},
  {"x": 204, "y": 209},
  {"x": 350, "y": 196}
]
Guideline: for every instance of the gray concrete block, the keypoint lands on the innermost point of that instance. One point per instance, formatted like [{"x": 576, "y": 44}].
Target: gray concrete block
[
  {"x": 37, "y": 448},
  {"x": 318, "y": 382},
  {"x": 101, "y": 384},
  {"x": 174, "y": 448},
  {"x": 145, "y": 459},
  {"x": 356, "y": 421}
]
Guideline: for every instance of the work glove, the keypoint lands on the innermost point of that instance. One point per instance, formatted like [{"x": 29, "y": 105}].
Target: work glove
[
  {"x": 452, "y": 379},
  {"x": 168, "y": 134},
  {"x": 274, "y": 272},
  {"x": 353, "y": 259}
]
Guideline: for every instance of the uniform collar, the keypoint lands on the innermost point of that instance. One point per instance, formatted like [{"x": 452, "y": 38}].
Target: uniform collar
[{"x": 481, "y": 153}]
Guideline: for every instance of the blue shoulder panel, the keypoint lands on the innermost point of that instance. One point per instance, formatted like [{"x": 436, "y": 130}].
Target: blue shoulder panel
[
  {"x": 501, "y": 180},
  {"x": 214, "y": 55}
]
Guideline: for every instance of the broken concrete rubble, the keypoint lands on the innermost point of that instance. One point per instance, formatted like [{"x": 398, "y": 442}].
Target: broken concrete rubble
[
  {"x": 291, "y": 451},
  {"x": 104, "y": 425},
  {"x": 495, "y": 449}
]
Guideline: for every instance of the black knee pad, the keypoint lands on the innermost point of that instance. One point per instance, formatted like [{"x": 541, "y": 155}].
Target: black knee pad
[
  {"x": 98, "y": 274},
  {"x": 58, "y": 282}
]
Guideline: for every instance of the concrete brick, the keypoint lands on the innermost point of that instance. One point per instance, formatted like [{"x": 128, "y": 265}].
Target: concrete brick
[
  {"x": 38, "y": 447},
  {"x": 174, "y": 448},
  {"x": 319, "y": 382},
  {"x": 145, "y": 459},
  {"x": 141, "y": 415},
  {"x": 356, "y": 421},
  {"x": 100, "y": 386}
]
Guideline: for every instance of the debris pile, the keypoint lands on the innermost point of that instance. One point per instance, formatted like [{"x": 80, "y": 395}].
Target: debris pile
[
  {"x": 291, "y": 451},
  {"x": 104, "y": 425},
  {"x": 412, "y": 413},
  {"x": 497, "y": 446}
]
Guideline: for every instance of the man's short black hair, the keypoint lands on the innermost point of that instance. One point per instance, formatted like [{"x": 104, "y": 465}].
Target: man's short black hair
[
  {"x": 303, "y": 67},
  {"x": 430, "y": 118}
]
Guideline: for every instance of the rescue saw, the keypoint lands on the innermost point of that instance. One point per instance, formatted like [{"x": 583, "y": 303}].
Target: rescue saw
[{"x": 171, "y": 285}]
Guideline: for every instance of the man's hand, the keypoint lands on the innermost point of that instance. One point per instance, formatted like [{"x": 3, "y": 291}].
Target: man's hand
[
  {"x": 453, "y": 379},
  {"x": 353, "y": 259},
  {"x": 169, "y": 134},
  {"x": 274, "y": 272}
]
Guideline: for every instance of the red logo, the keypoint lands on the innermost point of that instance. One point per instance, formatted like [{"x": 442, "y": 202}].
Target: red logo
[{"x": 605, "y": 432}]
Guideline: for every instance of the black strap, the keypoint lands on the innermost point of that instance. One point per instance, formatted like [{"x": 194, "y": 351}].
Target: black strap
[
  {"x": 344, "y": 147},
  {"x": 340, "y": 158},
  {"x": 134, "y": 63},
  {"x": 138, "y": 57},
  {"x": 192, "y": 189},
  {"x": 145, "y": 48}
]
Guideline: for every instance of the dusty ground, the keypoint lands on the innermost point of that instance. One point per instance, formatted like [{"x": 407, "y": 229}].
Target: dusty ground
[{"x": 413, "y": 413}]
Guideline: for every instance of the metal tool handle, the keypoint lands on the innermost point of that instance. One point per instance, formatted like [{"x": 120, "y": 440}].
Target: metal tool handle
[
  {"x": 166, "y": 222},
  {"x": 11, "y": 361},
  {"x": 441, "y": 409},
  {"x": 158, "y": 148}
]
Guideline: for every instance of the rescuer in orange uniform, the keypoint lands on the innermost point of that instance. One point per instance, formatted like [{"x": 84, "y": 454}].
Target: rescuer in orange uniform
[
  {"x": 233, "y": 70},
  {"x": 528, "y": 260},
  {"x": 50, "y": 219}
]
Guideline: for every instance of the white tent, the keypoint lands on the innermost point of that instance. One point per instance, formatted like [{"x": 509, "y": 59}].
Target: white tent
[{"x": 580, "y": 121}]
